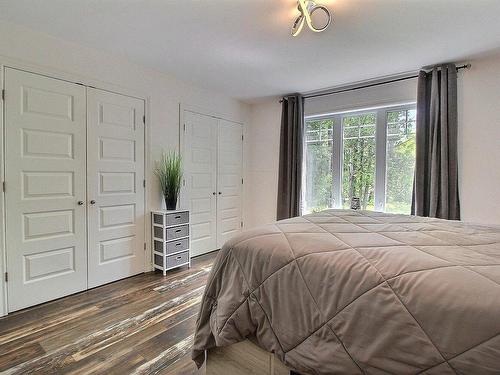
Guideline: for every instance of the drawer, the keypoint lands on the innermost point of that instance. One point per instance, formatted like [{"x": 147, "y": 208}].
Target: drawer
[
  {"x": 158, "y": 232},
  {"x": 177, "y": 260},
  {"x": 177, "y": 232},
  {"x": 158, "y": 260},
  {"x": 158, "y": 219},
  {"x": 178, "y": 218},
  {"x": 158, "y": 246},
  {"x": 176, "y": 246}
]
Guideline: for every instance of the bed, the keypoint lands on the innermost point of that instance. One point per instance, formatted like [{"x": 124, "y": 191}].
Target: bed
[{"x": 347, "y": 292}]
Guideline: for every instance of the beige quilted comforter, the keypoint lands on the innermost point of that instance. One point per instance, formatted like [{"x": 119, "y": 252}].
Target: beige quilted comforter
[{"x": 348, "y": 292}]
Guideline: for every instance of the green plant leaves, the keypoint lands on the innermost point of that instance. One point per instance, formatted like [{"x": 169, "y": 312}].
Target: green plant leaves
[{"x": 169, "y": 172}]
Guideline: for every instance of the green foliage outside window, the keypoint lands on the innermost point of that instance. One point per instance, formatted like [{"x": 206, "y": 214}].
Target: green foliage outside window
[
  {"x": 401, "y": 143},
  {"x": 319, "y": 180},
  {"x": 358, "y": 170}
]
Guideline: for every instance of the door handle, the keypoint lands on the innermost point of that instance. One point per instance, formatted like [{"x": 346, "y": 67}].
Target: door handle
[
  {"x": 220, "y": 193},
  {"x": 92, "y": 201},
  {"x": 80, "y": 203},
  {"x": 213, "y": 193}
]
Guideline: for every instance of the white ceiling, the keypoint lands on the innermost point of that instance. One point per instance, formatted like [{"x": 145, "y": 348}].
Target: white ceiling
[{"x": 244, "y": 48}]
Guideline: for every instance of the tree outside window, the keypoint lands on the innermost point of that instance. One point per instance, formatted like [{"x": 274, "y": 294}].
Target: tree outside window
[{"x": 358, "y": 167}]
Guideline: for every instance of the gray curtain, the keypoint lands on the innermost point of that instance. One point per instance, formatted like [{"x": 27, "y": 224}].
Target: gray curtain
[
  {"x": 435, "y": 190},
  {"x": 290, "y": 163}
]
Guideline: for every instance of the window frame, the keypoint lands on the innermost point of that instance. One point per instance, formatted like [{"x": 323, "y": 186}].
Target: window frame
[{"x": 338, "y": 150}]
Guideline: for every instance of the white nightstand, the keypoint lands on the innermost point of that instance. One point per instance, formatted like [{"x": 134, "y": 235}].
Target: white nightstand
[{"x": 170, "y": 233}]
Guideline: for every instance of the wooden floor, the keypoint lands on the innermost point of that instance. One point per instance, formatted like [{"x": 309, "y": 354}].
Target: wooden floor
[{"x": 140, "y": 325}]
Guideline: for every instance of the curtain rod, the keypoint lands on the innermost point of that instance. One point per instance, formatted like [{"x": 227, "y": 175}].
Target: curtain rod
[{"x": 341, "y": 90}]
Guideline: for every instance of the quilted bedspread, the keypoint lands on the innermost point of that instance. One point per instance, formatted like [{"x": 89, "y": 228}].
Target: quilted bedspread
[{"x": 348, "y": 292}]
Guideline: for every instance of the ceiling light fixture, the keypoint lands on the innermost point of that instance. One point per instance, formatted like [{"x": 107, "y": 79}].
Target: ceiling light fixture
[{"x": 306, "y": 9}]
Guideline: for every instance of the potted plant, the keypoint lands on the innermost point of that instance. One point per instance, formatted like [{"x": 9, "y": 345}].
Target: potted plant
[{"x": 169, "y": 172}]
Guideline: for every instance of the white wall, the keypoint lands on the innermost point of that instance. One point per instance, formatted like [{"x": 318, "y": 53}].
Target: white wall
[
  {"x": 262, "y": 142},
  {"x": 479, "y": 141},
  {"x": 57, "y": 57}
]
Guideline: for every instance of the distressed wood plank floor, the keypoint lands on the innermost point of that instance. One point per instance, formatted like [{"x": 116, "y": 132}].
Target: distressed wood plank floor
[{"x": 140, "y": 325}]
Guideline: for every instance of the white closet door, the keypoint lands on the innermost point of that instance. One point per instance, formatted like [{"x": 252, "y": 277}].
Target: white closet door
[
  {"x": 229, "y": 180},
  {"x": 45, "y": 181},
  {"x": 200, "y": 161},
  {"x": 115, "y": 164}
]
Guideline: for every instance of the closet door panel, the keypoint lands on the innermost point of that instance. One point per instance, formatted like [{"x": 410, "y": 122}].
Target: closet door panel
[
  {"x": 45, "y": 181},
  {"x": 200, "y": 164},
  {"x": 115, "y": 163},
  {"x": 229, "y": 180}
]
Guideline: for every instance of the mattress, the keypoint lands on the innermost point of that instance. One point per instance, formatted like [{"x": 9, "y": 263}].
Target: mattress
[{"x": 348, "y": 292}]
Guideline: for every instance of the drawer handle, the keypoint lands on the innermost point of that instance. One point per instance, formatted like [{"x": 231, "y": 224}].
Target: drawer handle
[
  {"x": 177, "y": 217},
  {"x": 178, "y": 230},
  {"x": 178, "y": 244},
  {"x": 179, "y": 257}
]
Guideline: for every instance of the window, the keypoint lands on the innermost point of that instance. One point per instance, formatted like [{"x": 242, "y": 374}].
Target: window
[
  {"x": 368, "y": 155},
  {"x": 401, "y": 126},
  {"x": 358, "y": 166},
  {"x": 319, "y": 157}
]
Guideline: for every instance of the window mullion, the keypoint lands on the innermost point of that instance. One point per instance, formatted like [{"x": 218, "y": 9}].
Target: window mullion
[
  {"x": 381, "y": 155},
  {"x": 337, "y": 162}
]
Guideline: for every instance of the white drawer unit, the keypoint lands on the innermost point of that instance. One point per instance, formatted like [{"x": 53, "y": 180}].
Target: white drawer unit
[{"x": 170, "y": 232}]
